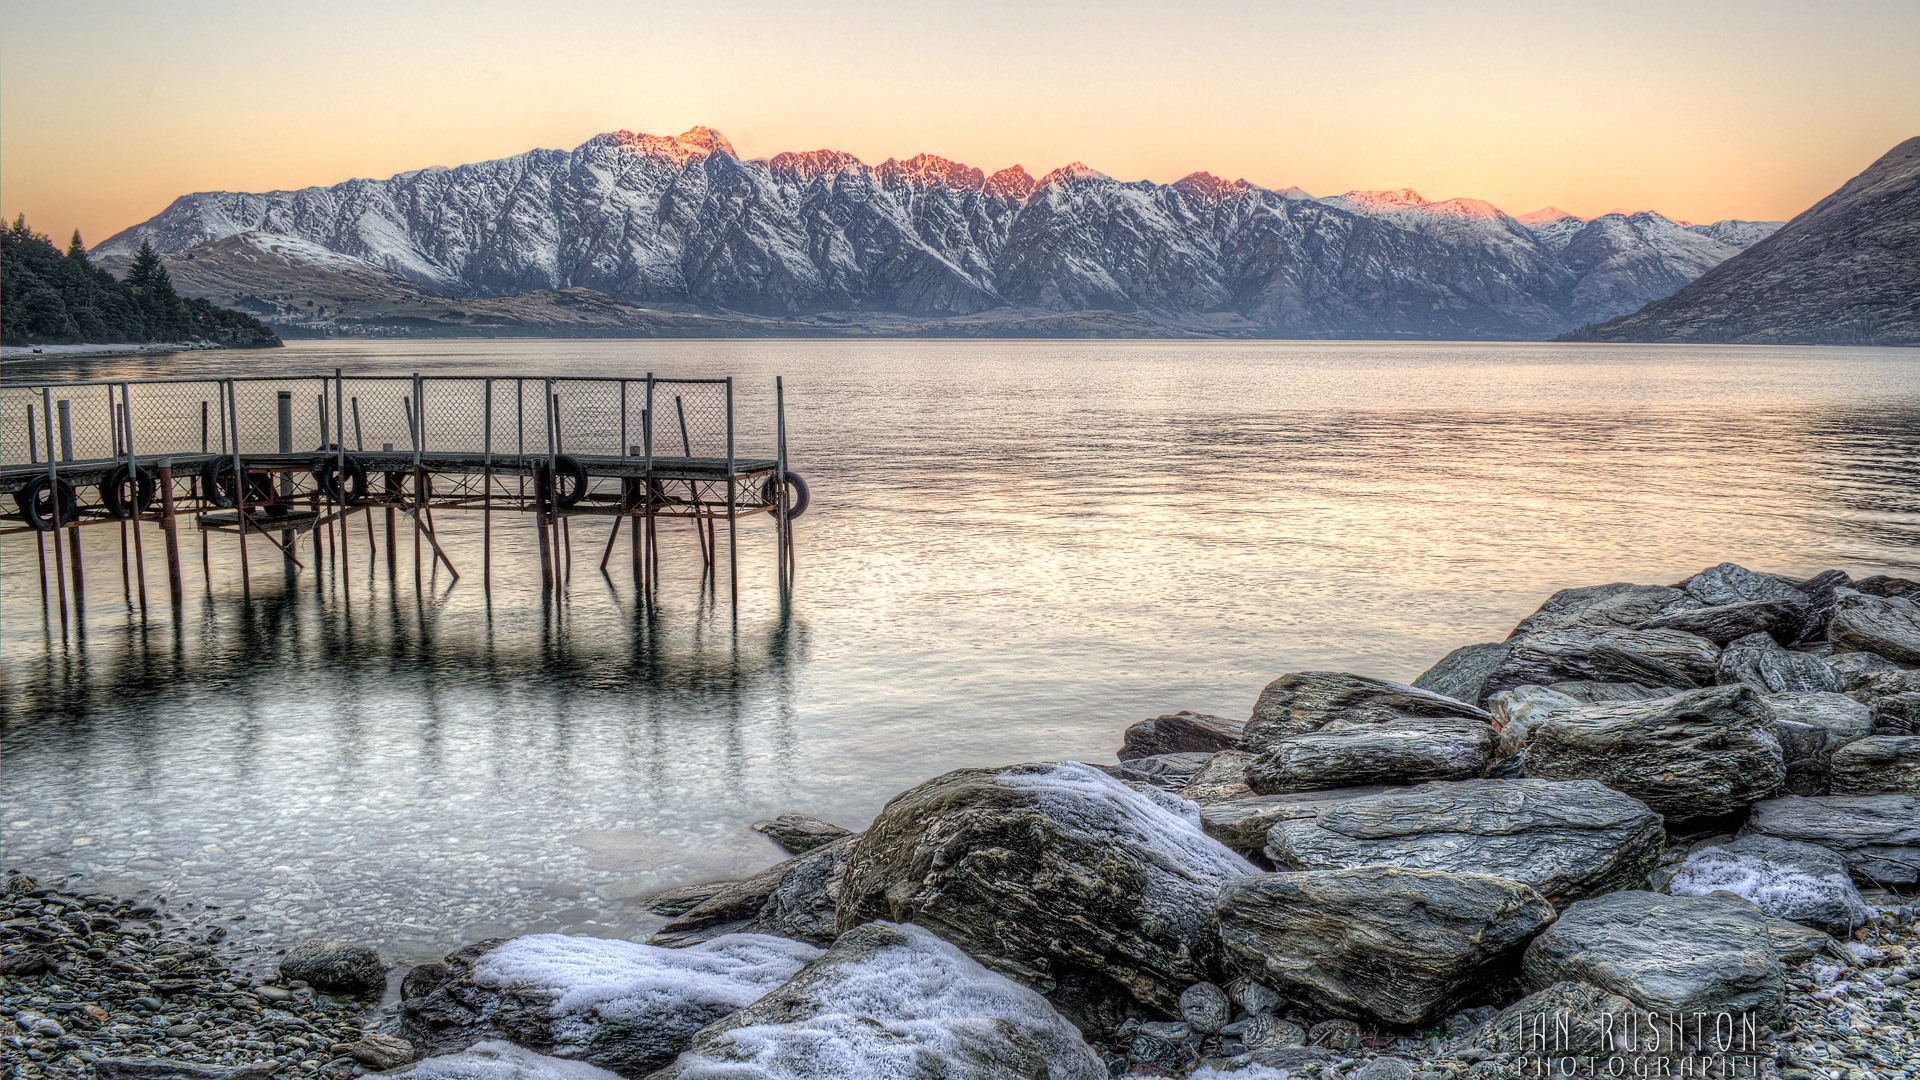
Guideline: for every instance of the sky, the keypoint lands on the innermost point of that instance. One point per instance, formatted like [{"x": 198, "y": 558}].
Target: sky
[{"x": 109, "y": 109}]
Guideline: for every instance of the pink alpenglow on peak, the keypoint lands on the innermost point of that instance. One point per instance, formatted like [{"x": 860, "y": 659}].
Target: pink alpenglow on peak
[
  {"x": 1208, "y": 186},
  {"x": 1011, "y": 182},
  {"x": 930, "y": 170},
  {"x": 814, "y": 164},
  {"x": 690, "y": 145}
]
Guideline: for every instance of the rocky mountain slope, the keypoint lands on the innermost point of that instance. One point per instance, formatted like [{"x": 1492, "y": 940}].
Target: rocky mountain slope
[
  {"x": 1846, "y": 272},
  {"x": 640, "y": 231}
]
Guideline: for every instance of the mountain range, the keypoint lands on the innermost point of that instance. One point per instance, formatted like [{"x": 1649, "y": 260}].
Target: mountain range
[
  {"x": 1846, "y": 272},
  {"x": 637, "y": 233}
]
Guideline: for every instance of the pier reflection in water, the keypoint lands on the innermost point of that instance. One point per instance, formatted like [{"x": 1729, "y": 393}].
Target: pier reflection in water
[{"x": 1015, "y": 550}]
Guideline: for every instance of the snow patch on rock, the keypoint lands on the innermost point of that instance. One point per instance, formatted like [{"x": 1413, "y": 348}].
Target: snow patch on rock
[
  {"x": 1094, "y": 808},
  {"x": 497, "y": 1060}
]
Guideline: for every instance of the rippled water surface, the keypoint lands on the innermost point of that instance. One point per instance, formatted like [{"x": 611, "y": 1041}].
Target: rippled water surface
[{"x": 1015, "y": 549}]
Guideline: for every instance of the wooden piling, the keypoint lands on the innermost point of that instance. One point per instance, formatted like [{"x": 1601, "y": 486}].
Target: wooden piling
[
  {"x": 73, "y": 529},
  {"x": 170, "y": 527}
]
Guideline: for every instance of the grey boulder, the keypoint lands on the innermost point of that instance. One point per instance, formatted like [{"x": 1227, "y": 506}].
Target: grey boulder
[
  {"x": 1878, "y": 765},
  {"x": 1595, "y": 609},
  {"x": 1378, "y": 943},
  {"x": 794, "y": 899},
  {"x": 1669, "y": 954},
  {"x": 1861, "y": 670},
  {"x": 895, "y": 1001},
  {"x": 1787, "y": 879},
  {"x": 1694, "y": 755},
  {"x": 1887, "y": 626},
  {"x": 800, "y": 833},
  {"x": 1347, "y": 753},
  {"x": 1780, "y": 617},
  {"x": 1242, "y": 824},
  {"x": 498, "y": 1059},
  {"x": 1897, "y": 714},
  {"x": 1462, "y": 673},
  {"x": 1567, "y": 840},
  {"x": 1878, "y": 835},
  {"x": 335, "y": 966},
  {"x": 1669, "y": 658},
  {"x": 1307, "y": 701},
  {"x": 1055, "y": 874},
  {"x": 1514, "y": 712},
  {"x": 1811, "y": 727},
  {"x": 617, "y": 1005},
  {"x": 1163, "y": 770},
  {"x": 1180, "y": 733},
  {"x": 1761, "y": 663}
]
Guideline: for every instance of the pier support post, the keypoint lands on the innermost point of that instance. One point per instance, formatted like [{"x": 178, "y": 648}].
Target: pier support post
[
  {"x": 170, "y": 526},
  {"x": 73, "y": 529},
  {"x": 283, "y": 406}
]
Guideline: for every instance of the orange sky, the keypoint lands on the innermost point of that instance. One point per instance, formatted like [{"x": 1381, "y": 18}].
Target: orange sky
[{"x": 108, "y": 110}]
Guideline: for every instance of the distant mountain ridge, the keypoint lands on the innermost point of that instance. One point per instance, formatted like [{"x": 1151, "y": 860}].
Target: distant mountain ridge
[
  {"x": 1846, "y": 272},
  {"x": 654, "y": 232}
]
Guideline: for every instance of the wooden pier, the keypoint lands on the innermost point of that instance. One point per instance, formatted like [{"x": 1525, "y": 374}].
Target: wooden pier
[{"x": 293, "y": 460}]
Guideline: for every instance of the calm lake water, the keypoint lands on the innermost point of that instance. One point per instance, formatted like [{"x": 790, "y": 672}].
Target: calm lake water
[{"x": 1015, "y": 549}]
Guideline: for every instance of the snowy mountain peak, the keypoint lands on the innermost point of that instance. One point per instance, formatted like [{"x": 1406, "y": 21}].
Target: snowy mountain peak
[
  {"x": 930, "y": 171},
  {"x": 705, "y": 138},
  {"x": 691, "y": 145},
  {"x": 1011, "y": 182},
  {"x": 813, "y": 164},
  {"x": 1208, "y": 186},
  {"x": 1070, "y": 173},
  {"x": 1547, "y": 215},
  {"x": 1379, "y": 202}
]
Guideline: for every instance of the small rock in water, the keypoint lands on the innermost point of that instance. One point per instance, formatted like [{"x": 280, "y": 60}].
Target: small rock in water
[
  {"x": 336, "y": 966},
  {"x": 1205, "y": 1007},
  {"x": 800, "y": 833}
]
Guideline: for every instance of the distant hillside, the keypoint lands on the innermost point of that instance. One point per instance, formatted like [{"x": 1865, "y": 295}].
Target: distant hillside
[
  {"x": 47, "y": 297},
  {"x": 648, "y": 234},
  {"x": 1846, "y": 272}
]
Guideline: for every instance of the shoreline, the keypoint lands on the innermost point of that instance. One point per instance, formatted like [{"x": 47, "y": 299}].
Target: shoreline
[{"x": 19, "y": 354}]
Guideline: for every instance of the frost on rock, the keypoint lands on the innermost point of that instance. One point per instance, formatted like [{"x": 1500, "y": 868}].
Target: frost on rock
[
  {"x": 496, "y": 1060},
  {"x": 615, "y": 1004},
  {"x": 892, "y": 1001},
  {"x": 1090, "y": 806},
  {"x": 1786, "y": 879}
]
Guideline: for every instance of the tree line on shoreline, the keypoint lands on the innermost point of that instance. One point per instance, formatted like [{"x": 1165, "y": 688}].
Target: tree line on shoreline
[{"x": 50, "y": 297}]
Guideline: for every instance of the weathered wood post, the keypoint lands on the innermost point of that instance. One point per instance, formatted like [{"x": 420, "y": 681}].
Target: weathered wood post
[
  {"x": 283, "y": 417},
  {"x": 73, "y": 533},
  {"x": 170, "y": 527}
]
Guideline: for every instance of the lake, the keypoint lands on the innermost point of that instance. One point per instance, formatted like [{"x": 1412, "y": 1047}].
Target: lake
[{"x": 1014, "y": 550}]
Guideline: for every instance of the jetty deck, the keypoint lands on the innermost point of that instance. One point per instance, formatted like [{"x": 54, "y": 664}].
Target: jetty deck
[{"x": 318, "y": 449}]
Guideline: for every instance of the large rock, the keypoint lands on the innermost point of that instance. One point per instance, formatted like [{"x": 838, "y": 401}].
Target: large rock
[
  {"x": 1595, "y": 609},
  {"x": 1887, "y": 626},
  {"x": 1180, "y": 733},
  {"x": 1782, "y": 618},
  {"x": 1896, "y": 714},
  {"x": 1462, "y": 673},
  {"x": 1162, "y": 770},
  {"x": 1882, "y": 585},
  {"x": 1378, "y": 943},
  {"x": 1055, "y": 874},
  {"x": 1306, "y": 701},
  {"x": 1670, "y": 954},
  {"x": 892, "y": 1001},
  {"x": 1566, "y": 839},
  {"x": 1878, "y": 765},
  {"x": 1669, "y": 658},
  {"x": 617, "y": 1005},
  {"x": 1396, "y": 751},
  {"x": 1694, "y": 755},
  {"x": 335, "y": 966},
  {"x": 1811, "y": 727},
  {"x": 795, "y": 899},
  {"x": 1590, "y": 692},
  {"x": 1861, "y": 670},
  {"x": 1787, "y": 879},
  {"x": 1242, "y": 824},
  {"x": 1761, "y": 663},
  {"x": 1878, "y": 835}
]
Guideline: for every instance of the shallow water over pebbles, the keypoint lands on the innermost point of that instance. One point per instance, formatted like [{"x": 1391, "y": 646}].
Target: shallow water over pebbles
[{"x": 1015, "y": 549}]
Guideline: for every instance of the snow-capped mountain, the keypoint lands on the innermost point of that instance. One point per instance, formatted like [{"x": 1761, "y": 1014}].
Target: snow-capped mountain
[{"x": 684, "y": 224}]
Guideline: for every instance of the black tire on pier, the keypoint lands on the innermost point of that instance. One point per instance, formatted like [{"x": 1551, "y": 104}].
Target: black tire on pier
[
  {"x": 328, "y": 474},
  {"x": 126, "y": 492},
  {"x": 798, "y": 496},
  {"x": 47, "y": 504},
  {"x": 216, "y": 483},
  {"x": 573, "y": 480}
]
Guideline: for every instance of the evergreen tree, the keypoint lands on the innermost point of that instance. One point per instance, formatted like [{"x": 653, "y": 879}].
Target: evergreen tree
[
  {"x": 76, "y": 251},
  {"x": 166, "y": 317}
]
